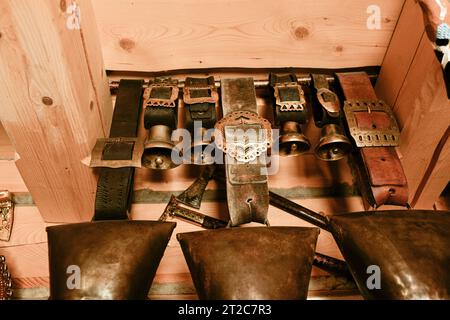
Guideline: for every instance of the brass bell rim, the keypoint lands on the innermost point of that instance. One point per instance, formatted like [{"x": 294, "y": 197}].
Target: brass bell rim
[
  {"x": 286, "y": 141},
  {"x": 193, "y": 156},
  {"x": 322, "y": 148},
  {"x": 164, "y": 150}
]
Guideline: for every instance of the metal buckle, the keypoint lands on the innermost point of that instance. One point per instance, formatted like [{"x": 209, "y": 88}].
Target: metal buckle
[
  {"x": 135, "y": 161},
  {"x": 5, "y": 280},
  {"x": 289, "y": 105},
  {"x": 371, "y": 137},
  {"x": 212, "y": 98},
  {"x": 331, "y": 107},
  {"x": 6, "y": 215},
  {"x": 244, "y": 148},
  {"x": 161, "y": 102}
]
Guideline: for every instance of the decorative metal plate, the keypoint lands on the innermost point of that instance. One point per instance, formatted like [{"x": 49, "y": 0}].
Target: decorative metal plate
[
  {"x": 298, "y": 105},
  {"x": 5, "y": 280},
  {"x": 331, "y": 106},
  {"x": 243, "y": 135},
  {"x": 212, "y": 98},
  {"x": 371, "y": 137},
  {"x": 168, "y": 84},
  {"x": 97, "y": 160},
  {"x": 6, "y": 215}
]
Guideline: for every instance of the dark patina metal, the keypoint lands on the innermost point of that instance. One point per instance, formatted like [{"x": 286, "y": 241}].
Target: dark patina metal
[
  {"x": 116, "y": 260},
  {"x": 277, "y": 264},
  {"x": 411, "y": 248},
  {"x": 174, "y": 209},
  {"x": 193, "y": 195}
]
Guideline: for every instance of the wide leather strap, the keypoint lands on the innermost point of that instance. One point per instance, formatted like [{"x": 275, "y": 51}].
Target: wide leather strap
[
  {"x": 115, "y": 186},
  {"x": 247, "y": 189},
  {"x": 381, "y": 167}
]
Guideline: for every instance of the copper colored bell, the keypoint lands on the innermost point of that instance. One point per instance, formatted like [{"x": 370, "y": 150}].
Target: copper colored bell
[
  {"x": 158, "y": 149},
  {"x": 333, "y": 144},
  {"x": 255, "y": 263},
  {"x": 202, "y": 148},
  {"x": 394, "y": 255},
  {"x": 105, "y": 260},
  {"x": 292, "y": 141},
  {"x": 409, "y": 248}
]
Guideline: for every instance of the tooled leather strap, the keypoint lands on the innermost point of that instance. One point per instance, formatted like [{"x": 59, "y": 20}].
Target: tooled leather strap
[
  {"x": 115, "y": 186},
  {"x": 247, "y": 190},
  {"x": 289, "y": 99},
  {"x": 160, "y": 105},
  {"x": 326, "y": 104},
  {"x": 383, "y": 170},
  {"x": 200, "y": 97}
]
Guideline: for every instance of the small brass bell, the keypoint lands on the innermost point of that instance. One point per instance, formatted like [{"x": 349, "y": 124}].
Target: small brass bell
[
  {"x": 158, "y": 149},
  {"x": 333, "y": 144},
  {"x": 292, "y": 141},
  {"x": 202, "y": 148}
]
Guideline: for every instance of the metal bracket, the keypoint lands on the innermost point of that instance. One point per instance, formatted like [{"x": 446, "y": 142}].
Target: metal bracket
[
  {"x": 166, "y": 84},
  {"x": 331, "y": 107},
  {"x": 371, "y": 137},
  {"x": 212, "y": 98},
  {"x": 6, "y": 215},
  {"x": 135, "y": 161},
  {"x": 298, "y": 105}
]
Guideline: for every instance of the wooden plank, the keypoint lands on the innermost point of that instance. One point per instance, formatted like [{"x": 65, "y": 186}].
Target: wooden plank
[
  {"x": 423, "y": 107},
  {"x": 10, "y": 178},
  {"x": 51, "y": 107},
  {"x": 436, "y": 176},
  {"x": 27, "y": 258},
  {"x": 160, "y": 35},
  {"x": 6, "y": 148},
  {"x": 401, "y": 52}
]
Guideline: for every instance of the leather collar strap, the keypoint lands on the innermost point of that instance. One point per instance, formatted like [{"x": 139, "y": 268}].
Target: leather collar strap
[
  {"x": 290, "y": 103},
  {"x": 115, "y": 186},
  {"x": 383, "y": 171},
  {"x": 326, "y": 108},
  {"x": 247, "y": 190},
  {"x": 200, "y": 98}
]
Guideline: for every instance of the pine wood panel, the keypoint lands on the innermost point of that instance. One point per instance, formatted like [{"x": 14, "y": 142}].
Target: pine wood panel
[
  {"x": 160, "y": 35},
  {"x": 423, "y": 105},
  {"x": 400, "y": 54},
  {"x": 51, "y": 107}
]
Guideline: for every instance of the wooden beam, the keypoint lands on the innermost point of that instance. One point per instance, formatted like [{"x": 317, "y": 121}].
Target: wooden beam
[
  {"x": 158, "y": 35},
  {"x": 400, "y": 53},
  {"x": 423, "y": 106},
  {"x": 54, "y": 102}
]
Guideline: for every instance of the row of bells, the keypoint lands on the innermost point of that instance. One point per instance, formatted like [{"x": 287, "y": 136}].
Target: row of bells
[{"x": 332, "y": 146}]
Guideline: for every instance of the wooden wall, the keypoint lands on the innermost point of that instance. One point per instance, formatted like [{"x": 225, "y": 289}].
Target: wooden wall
[
  {"x": 141, "y": 35},
  {"x": 411, "y": 81},
  {"x": 202, "y": 34}
]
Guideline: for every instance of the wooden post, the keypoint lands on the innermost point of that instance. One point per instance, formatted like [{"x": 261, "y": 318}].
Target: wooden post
[
  {"x": 412, "y": 81},
  {"x": 55, "y": 100}
]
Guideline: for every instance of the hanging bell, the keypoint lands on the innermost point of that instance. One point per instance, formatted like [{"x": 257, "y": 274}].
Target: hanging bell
[
  {"x": 292, "y": 141},
  {"x": 105, "y": 260},
  {"x": 158, "y": 149},
  {"x": 202, "y": 147},
  {"x": 261, "y": 263},
  {"x": 333, "y": 144}
]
